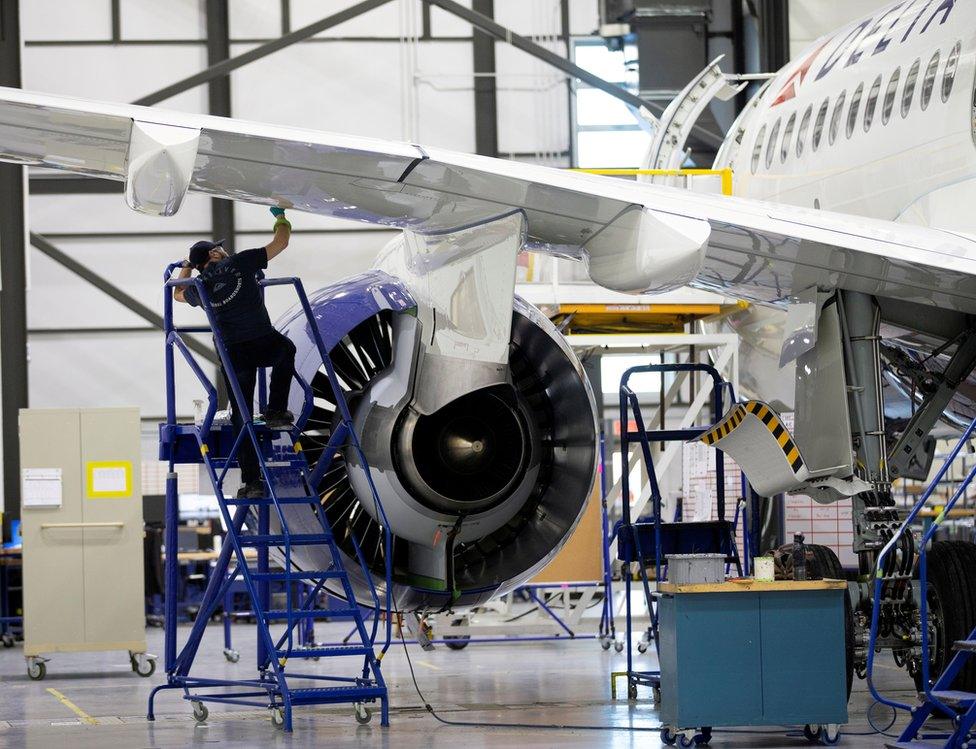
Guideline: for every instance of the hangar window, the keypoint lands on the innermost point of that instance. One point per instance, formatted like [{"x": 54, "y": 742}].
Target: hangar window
[
  {"x": 771, "y": 146},
  {"x": 835, "y": 117},
  {"x": 928, "y": 82},
  {"x": 757, "y": 149},
  {"x": 818, "y": 126},
  {"x": 909, "y": 92},
  {"x": 855, "y": 108},
  {"x": 889, "y": 100},
  {"x": 801, "y": 134},
  {"x": 949, "y": 74},
  {"x": 784, "y": 150},
  {"x": 871, "y": 104},
  {"x": 606, "y": 133}
]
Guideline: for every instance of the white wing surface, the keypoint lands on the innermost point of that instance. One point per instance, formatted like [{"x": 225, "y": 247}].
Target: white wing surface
[{"x": 634, "y": 237}]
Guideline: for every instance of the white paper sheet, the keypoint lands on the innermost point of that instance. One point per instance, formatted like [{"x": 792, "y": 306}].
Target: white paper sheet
[{"x": 41, "y": 487}]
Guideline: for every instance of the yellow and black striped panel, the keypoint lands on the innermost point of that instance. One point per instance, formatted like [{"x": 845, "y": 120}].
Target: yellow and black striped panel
[{"x": 768, "y": 417}]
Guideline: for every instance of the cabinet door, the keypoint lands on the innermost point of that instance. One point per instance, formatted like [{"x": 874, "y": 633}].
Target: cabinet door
[
  {"x": 804, "y": 669},
  {"x": 112, "y": 490},
  {"x": 54, "y": 589}
]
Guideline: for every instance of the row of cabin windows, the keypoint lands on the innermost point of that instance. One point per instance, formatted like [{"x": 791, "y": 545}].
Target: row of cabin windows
[{"x": 870, "y": 107}]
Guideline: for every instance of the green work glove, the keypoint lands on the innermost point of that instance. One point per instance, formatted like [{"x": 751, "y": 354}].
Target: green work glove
[{"x": 280, "y": 220}]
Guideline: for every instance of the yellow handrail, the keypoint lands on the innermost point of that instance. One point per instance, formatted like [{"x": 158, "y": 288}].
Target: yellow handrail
[{"x": 725, "y": 174}]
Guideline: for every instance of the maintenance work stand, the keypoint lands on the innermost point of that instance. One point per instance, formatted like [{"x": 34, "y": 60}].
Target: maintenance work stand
[
  {"x": 645, "y": 542},
  {"x": 261, "y": 525}
]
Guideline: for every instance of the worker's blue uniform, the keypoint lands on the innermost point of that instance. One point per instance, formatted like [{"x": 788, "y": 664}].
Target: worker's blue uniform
[{"x": 251, "y": 340}]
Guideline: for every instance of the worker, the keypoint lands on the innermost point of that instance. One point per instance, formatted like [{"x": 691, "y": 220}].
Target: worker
[{"x": 249, "y": 337}]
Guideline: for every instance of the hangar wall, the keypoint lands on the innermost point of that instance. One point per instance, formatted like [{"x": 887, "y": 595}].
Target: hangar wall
[{"x": 347, "y": 79}]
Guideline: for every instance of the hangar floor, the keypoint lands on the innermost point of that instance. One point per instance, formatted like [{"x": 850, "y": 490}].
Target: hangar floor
[{"x": 550, "y": 682}]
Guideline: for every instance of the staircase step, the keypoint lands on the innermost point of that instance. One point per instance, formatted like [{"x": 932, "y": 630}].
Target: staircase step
[
  {"x": 297, "y": 539},
  {"x": 304, "y": 575},
  {"x": 967, "y": 645},
  {"x": 955, "y": 698},
  {"x": 284, "y": 614},
  {"x": 258, "y": 501},
  {"x": 327, "y": 695},
  {"x": 324, "y": 652}
]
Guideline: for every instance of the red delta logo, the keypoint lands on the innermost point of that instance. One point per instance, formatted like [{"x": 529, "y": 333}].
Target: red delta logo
[{"x": 796, "y": 77}]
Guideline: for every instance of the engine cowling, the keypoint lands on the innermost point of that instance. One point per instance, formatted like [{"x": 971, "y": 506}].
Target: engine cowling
[{"x": 480, "y": 493}]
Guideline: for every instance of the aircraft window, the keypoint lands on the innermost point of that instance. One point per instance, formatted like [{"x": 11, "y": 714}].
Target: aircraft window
[
  {"x": 855, "y": 107},
  {"x": 906, "y": 95},
  {"x": 787, "y": 135},
  {"x": 801, "y": 134},
  {"x": 771, "y": 145},
  {"x": 818, "y": 126},
  {"x": 835, "y": 117},
  {"x": 949, "y": 74},
  {"x": 889, "y": 100},
  {"x": 871, "y": 103},
  {"x": 757, "y": 149},
  {"x": 928, "y": 83}
]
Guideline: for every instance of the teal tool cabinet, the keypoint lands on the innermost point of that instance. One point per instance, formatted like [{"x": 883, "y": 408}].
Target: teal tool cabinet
[{"x": 750, "y": 654}]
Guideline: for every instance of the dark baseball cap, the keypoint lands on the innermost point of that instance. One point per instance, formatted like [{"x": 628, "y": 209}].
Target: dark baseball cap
[{"x": 200, "y": 251}]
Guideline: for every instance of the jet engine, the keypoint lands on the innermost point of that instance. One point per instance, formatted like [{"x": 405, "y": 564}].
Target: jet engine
[{"x": 480, "y": 483}]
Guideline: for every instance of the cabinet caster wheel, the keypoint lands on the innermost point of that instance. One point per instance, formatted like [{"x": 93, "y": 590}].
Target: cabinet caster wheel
[
  {"x": 277, "y": 717},
  {"x": 669, "y": 737},
  {"x": 232, "y": 656},
  {"x": 686, "y": 741},
  {"x": 36, "y": 670},
  {"x": 642, "y": 647},
  {"x": 656, "y": 694},
  {"x": 363, "y": 714},
  {"x": 200, "y": 712},
  {"x": 8, "y": 641},
  {"x": 619, "y": 647},
  {"x": 830, "y": 734},
  {"x": 143, "y": 665},
  {"x": 704, "y": 737},
  {"x": 812, "y": 733}
]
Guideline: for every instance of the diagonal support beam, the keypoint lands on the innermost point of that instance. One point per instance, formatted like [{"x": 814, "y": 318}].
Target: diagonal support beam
[
  {"x": 233, "y": 63},
  {"x": 44, "y": 245},
  {"x": 501, "y": 33}
]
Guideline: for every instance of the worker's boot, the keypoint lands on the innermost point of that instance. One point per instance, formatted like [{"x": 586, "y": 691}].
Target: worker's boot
[
  {"x": 252, "y": 490},
  {"x": 276, "y": 419}
]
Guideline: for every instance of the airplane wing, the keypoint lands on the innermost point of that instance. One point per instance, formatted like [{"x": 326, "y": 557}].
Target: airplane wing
[{"x": 634, "y": 237}]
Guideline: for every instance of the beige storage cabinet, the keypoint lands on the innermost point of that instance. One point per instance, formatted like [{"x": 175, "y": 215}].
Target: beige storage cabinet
[{"x": 82, "y": 527}]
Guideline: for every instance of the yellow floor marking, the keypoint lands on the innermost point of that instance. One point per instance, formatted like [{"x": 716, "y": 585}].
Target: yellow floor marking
[
  {"x": 85, "y": 717},
  {"x": 430, "y": 665}
]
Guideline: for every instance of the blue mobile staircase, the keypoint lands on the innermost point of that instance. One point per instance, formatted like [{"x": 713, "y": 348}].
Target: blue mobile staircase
[
  {"x": 254, "y": 528},
  {"x": 940, "y": 700},
  {"x": 650, "y": 541}
]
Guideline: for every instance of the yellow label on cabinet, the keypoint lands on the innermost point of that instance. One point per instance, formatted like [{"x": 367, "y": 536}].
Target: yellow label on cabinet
[{"x": 108, "y": 479}]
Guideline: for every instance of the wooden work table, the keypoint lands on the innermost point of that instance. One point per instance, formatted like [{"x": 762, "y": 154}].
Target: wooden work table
[{"x": 750, "y": 585}]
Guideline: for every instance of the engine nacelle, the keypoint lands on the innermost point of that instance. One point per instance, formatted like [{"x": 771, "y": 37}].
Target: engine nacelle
[{"x": 480, "y": 493}]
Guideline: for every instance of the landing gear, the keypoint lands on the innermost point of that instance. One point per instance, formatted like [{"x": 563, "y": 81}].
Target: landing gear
[{"x": 951, "y": 598}]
